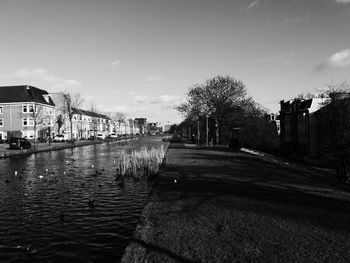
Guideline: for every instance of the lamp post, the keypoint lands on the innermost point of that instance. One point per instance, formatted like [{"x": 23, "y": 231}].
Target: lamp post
[
  {"x": 198, "y": 132},
  {"x": 207, "y": 129},
  {"x": 49, "y": 134}
]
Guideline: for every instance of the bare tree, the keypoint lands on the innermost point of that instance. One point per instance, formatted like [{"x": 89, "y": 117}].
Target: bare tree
[
  {"x": 60, "y": 122},
  {"x": 131, "y": 125},
  {"x": 109, "y": 122},
  {"x": 72, "y": 101},
  {"x": 119, "y": 118},
  {"x": 36, "y": 113},
  {"x": 214, "y": 98}
]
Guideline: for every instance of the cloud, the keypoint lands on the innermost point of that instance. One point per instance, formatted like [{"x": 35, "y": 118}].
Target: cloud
[
  {"x": 285, "y": 58},
  {"x": 40, "y": 78},
  {"x": 115, "y": 63},
  {"x": 141, "y": 99},
  {"x": 116, "y": 108},
  {"x": 154, "y": 78},
  {"x": 250, "y": 6},
  {"x": 72, "y": 82},
  {"x": 162, "y": 99},
  {"x": 340, "y": 59},
  {"x": 35, "y": 74},
  {"x": 343, "y": 1}
]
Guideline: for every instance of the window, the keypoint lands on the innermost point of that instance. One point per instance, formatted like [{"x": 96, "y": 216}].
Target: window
[
  {"x": 1, "y": 110},
  {"x": 1, "y": 122},
  {"x": 28, "y": 121},
  {"x": 30, "y": 107},
  {"x": 47, "y": 111}
]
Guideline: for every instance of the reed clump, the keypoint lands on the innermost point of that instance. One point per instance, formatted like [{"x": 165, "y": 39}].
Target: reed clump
[{"x": 142, "y": 163}]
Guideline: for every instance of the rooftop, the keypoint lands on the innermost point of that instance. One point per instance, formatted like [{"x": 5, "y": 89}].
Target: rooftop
[{"x": 24, "y": 93}]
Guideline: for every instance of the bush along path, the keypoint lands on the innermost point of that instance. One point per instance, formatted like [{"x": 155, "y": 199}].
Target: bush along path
[{"x": 211, "y": 205}]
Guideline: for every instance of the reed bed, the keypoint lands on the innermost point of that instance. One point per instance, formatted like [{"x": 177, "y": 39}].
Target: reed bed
[{"x": 142, "y": 163}]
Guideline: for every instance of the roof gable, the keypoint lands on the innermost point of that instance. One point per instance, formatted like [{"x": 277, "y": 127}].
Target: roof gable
[
  {"x": 90, "y": 113},
  {"x": 23, "y": 93}
]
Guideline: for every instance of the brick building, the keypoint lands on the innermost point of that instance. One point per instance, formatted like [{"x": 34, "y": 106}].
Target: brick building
[{"x": 26, "y": 111}]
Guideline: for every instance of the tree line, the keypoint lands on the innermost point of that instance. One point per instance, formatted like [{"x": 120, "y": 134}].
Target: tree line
[{"x": 221, "y": 111}]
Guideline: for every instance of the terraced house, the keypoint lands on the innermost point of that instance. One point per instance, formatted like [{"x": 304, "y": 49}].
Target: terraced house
[
  {"x": 88, "y": 123},
  {"x": 26, "y": 111},
  {"x": 84, "y": 123}
]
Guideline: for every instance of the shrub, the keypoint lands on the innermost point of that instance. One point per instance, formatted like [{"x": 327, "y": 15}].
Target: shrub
[{"x": 141, "y": 163}]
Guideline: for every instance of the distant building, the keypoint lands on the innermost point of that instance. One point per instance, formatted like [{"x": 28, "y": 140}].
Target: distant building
[
  {"x": 26, "y": 111},
  {"x": 273, "y": 117},
  {"x": 153, "y": 128},
  {"x": 166, "y": 128},
  {"x": 298, "y": 126},
  {"x": 84, "y": 123},
  {"x": 131, "y": 126},
  {"x": 87, "y": 123}
]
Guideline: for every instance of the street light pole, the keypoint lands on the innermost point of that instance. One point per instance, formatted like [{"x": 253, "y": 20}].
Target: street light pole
[
  {"x": 198, "y": 132},
  {"x": 49, "y": 134},
  {"x": 207, "y": 129}
]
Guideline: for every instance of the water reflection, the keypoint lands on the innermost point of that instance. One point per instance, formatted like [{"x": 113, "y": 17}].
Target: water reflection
[{"x": 45, "y": 213}]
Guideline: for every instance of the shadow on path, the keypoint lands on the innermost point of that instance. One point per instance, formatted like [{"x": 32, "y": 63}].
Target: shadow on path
[
  {"x": 283, "y": 192},
  {"x": 163, "y": 251}
]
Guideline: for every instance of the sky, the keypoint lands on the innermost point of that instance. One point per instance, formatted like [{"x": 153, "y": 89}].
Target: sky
[{"x": 140, "y": 57}]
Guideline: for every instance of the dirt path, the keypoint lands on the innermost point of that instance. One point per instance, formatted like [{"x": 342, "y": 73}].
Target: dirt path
[{"x": 218, "y": 206}]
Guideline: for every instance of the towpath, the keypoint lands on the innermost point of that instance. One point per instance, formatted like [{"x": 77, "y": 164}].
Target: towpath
[{"x": 212, "y": 205}]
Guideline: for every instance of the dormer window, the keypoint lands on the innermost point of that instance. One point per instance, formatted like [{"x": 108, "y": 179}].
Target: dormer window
[{"x": 46, "y": 97}]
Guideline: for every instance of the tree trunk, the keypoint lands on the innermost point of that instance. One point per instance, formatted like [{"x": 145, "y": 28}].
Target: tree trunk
[
  {"x": 71, "y": 129},
  {"x": 34, "y": 133}
]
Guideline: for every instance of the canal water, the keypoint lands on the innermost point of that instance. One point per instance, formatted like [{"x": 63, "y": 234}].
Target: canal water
[{"x": 55, "y": 207}]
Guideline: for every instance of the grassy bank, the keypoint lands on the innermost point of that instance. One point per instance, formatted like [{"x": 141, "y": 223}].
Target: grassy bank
[{"x": 217, "y": 206}]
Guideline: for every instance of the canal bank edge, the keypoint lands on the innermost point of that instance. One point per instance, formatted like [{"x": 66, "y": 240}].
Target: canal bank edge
[
  {"x": 43, "y": 147},
  {"x": 141, "y": 241}
]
